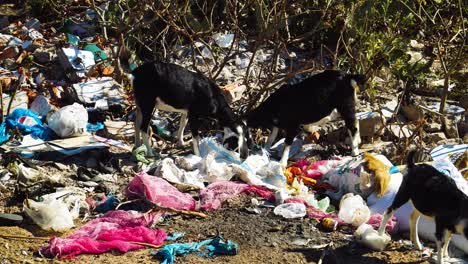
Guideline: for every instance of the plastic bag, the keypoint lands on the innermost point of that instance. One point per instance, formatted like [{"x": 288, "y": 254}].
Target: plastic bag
[
  {"x": 290, "y": 210},
  {"x": 69, "y": 121},
  {"x": 369, "y": 237},
  {"x": 170, "y": 172},
  {"x": 51, "y": 214},
  {"x": 353, "y": 210}
]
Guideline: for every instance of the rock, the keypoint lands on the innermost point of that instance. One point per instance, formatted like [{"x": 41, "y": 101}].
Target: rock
[
  {"x": 450, "y": 128},
  {"x": 433, "y": 127},
  {"x": 436, "y": 137},
  {"x": 465, "y": 139},
  {"x": 412, "y": 112}
]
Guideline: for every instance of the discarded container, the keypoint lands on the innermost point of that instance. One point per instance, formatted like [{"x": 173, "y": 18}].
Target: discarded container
[
  {"x": 69, "y": 121},
  {"x": 290, "y": 210},
  {"x": 330, "y": 224},
  {"x": 40, "y": 106},
  {"x": 353, "y": 210}
]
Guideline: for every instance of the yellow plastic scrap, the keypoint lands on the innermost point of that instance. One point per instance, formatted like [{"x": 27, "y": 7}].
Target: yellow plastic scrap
[{"x": 380, "y": 171}]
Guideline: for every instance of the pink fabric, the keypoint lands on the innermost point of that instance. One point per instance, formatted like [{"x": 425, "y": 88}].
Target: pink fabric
[
  {"x": 375, "y": 220},
  {"x": 159, "y": 191},
  {"x": 114, "y": 230},
  {"x": 317, "y": 169},
  {"x": 216, "y": 193},
  {"x": 261, "y": 191}
]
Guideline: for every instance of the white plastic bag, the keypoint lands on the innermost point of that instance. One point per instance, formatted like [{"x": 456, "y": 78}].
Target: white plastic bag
[
  {"x": 370, "y": 238},
  {"x": 69, "y": 121},
  {"x": 353, "y": 210},
  {"x": 170, "y": 172},
  {"x": 290, "y": 210},
  {"x": 51, "y": 214}
]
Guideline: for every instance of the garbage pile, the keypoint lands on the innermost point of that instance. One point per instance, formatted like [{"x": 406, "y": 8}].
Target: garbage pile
[{"x": 77, "y": 108}]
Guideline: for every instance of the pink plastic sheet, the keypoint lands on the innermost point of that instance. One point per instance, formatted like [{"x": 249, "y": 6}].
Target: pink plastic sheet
[
  {"x": 216, "y": 193},
  {"x": 114, "y": 230},
  {"x": 159, "y": 191}
]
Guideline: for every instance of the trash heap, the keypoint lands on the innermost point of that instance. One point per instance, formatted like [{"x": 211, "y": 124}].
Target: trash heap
[{"x": 60, "y": 103}]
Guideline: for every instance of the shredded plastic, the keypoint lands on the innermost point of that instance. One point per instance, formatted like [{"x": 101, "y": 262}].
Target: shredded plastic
[
  {"x": 114, "y": 230},
  {"x": 205, "y": 248},
  {"x": 159, "y": 192}
]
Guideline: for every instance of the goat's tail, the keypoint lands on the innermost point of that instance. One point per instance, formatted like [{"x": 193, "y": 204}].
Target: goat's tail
[{"x": 410, "y": 159}]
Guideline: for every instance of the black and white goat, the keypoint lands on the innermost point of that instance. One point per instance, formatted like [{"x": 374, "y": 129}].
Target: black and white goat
[
  {"x": 170, "y": 87},
  {"x": 310, "y": 101},
  {"x": 434, "y": 196}
]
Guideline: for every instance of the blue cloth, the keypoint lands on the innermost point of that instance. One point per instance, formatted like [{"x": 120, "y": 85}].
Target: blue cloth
[
  {"x": 174, "y": 236},
  {"x": 37, "y": 131},
  {"x": 94, "y": 127},
  {"x": 211, "y": 248},
  {"x": 109, "y": 205}
]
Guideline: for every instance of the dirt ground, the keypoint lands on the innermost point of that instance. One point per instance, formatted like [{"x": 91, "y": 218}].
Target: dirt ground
[{"x": 262, "y": 238}]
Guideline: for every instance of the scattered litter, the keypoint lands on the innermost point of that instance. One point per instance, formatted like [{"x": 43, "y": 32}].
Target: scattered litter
[
  {"x": 290, "y": 210},
  {"x": 205, "y": 248},
  {"x": 98, "y": 89}
]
